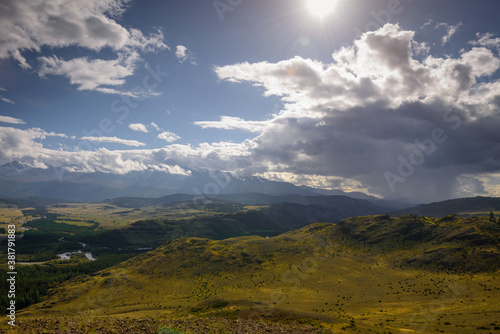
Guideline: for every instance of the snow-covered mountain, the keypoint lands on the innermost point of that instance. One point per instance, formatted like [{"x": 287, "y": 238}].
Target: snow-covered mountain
[{"x": 18, "y": 179}]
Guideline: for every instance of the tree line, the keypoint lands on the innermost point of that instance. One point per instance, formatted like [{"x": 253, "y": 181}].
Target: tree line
[{"x": 33, "y": 281}]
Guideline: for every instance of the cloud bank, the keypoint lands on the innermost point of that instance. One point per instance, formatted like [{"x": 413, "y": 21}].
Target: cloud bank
[
  {"x": 383, "y": 116},
  {"x": 370, "y": 111}
]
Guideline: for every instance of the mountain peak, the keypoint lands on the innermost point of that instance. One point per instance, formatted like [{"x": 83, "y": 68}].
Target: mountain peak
[
  {"x": 96, "y": 186},
  {"x": 16, "y": 165}
]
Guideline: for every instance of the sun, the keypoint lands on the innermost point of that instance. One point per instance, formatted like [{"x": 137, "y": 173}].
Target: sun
[{"x": 320, "y": 8}]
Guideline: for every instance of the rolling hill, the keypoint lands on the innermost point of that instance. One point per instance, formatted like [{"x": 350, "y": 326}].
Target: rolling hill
[
  {"x": 347, "y": 206},
  {"x": 461, "y": 206},
  {"x": 366, "y": 274},
  {"x": 265, "y": 221}
]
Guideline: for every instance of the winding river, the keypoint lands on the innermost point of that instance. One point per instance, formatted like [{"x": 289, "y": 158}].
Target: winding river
[{"x": 67, "y": 255}]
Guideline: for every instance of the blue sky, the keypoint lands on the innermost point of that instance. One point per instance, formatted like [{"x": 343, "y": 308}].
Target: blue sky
[{"x": 259, "y": 87}]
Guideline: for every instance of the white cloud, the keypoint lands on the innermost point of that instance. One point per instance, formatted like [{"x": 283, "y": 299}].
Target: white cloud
[
  {"x": 138, "y": 127},
  {"x": 487, "y": 40},
  {"x": 155, "y": 126},
  {"x": 378, "y": 68},
  {"x": 182, "y": 53},
  {"x": 91, "y": 74},
  {"x": 170, "y": 169},
  {"x": 354, "y": 117},
  {"x": 114, "y": 140},
  {"x": 450, "y": 31},
  {"x": 147, "y": 44},
  {"x": 491, "y": 182},
  {"x": 169, "y": 137},
  {"x": 96, "y": 74},
  {"x": 25, "y": 145},
  {"x": 6, "y": 100},
  {"x": 427, "y": 23},
  {"x": 229, "y": 123},
  {"x": 53, "y": 134},
  {"x": 33, "y": 24},
  {"x": 103, "y": 160},
  {"x": 343, "y": 123},
  {"x": 317, "y": 181},
  {"x": 20, "y": 59},
  {"x": 11, "y": 120},
  {"x": 16, "y": 144},
  {"x": 421, "y": 48}
]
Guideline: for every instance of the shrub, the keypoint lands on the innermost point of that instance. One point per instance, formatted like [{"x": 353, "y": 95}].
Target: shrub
[{"x": 220, "y": 304}]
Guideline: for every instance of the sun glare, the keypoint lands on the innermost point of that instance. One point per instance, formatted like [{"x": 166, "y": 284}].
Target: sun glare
[{"x": 320, "y": 8}]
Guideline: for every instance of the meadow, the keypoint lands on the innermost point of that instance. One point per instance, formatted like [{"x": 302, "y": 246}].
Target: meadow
[{"x": 359, "y": 276}]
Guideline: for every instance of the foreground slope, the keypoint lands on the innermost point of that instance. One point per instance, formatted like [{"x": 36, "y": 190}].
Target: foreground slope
[{"x": 375, "y": 273}]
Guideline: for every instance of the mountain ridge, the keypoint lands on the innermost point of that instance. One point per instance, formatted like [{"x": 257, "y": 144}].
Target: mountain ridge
[
  {"x": 23, "y": 181},
  {"x": 466, "y": 206}
]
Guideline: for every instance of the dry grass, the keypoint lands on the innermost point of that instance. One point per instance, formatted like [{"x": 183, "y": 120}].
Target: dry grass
[
  {"x": 292, "y": 278},
  {"x": 73, "y": 222},
  {"x": 157, "y": 325},
  {"x": 13, "y": 216},
  {"x": 111, "y": 216}
]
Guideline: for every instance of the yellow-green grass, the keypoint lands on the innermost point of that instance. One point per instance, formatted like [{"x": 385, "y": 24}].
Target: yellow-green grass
[
  {"x": 254, "y": 207},
  {"x": 111, "y": 216},
  {"x": 73, "y": 222},
  {"x": 103, "y": 214},
  {"x": 479, "y": 213},
  {"x": 156, "y": 325},
  {"x": 11, "y": 215},
  {"x": 304, "y": 275}
]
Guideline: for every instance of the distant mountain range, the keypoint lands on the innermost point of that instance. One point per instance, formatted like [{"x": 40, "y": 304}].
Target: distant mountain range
[
  {"x": 18, "y": 180},
  {"x": 460, "y": 206},
  {"x": 42, "y": 187}
]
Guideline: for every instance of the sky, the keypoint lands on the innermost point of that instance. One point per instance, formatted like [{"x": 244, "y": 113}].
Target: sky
[{"x": 395, "y": 98}]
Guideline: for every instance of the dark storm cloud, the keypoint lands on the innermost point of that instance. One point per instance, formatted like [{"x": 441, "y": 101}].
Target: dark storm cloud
[
  {"x": 365, "y": 143},
  {"x": 402, "y": 127}
]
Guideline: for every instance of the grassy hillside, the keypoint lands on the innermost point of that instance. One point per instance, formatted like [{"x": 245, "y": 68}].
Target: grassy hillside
[
  {"x": 343, "y": 205},
  {"x": 213, "y": 223},
  {"x": 366, "y": 274},
  {"x": 68, "y": 226}
]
